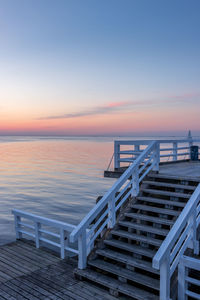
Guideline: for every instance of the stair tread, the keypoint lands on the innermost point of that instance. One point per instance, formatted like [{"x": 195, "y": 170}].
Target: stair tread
[
  {"x": 145, "y": 228},
  {"x": 174, "y": 177},
  {"x": 169, "y": 184},
  {"x": 125, "y": 273},
  {"x": 161, "y": 201},
  {"x": 137, "y": 237},
  {"x": 150, "y": 218},
  {"x": 166, "y": 193},
  {"x": 164, "y": 211},
  {"x": 126, "y": 259},
  {"x": 131, "y": 248},
  {"x": 114, "y": 284}
]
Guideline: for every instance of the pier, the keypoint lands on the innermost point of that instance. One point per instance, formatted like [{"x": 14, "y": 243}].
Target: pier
[{"x": 140, "y": 241}]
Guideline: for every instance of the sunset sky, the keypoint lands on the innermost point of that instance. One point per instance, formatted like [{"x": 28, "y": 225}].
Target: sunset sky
[{"x": 78, "y": 67}]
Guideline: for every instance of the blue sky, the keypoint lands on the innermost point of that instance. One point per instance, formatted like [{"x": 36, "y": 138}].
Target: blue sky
[{"x": 77, "y": 59}]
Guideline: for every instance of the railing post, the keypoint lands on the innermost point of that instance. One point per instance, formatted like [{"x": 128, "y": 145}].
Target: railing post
[
  {"x": 156, "y": 157},
  {"x": 136, "y": 148},
  {"x": 116, "y": 155},
  {"x": 165, "y": 280},
  {"x": 175, "y": 156},
  {"x": 111, "y": 211},
  {"x": 62, "y": 243},
  {"x": 17, "y": 227},
  {"x": 135, "y": 183},
  {"x": 37, "y": 234},
  {"x": 181, "y": 280},
  {"x": 82, "y": 247},
  {"x": 195, "y": 241}
]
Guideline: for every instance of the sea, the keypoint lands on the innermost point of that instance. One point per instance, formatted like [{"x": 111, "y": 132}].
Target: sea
[{"x": 55, "y": 177}]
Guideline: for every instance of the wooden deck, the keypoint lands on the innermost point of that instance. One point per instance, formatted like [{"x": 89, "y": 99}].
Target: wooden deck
[{"x": 30, "y": 273}]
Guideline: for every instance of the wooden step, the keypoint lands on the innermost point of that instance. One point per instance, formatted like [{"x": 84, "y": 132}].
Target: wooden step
[
  {"x": 170, "y": 185},
  {"x": 144, "y": 228},
  {"x": 115, "y": 285},
  {"x": 131, "y": 248},
  {"x": 174, "y": 177},
  {"x": 165, "y": 193},
  {"x": 125, "y": 273},
  {"x": 137, "y": 237},
  {"x": 156, "y": 209},
  {"x": 128, "y": 260},
  {"x": 161, "y": 201},
  {"x": 147, "y": 218}
]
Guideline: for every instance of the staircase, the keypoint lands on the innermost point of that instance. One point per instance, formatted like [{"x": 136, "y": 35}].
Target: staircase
[{"x": 124, "y": 264}]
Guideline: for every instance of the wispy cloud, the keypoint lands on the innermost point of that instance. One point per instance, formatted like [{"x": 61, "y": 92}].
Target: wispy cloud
[
  {"x": 132, "y": 106},
  {"x": 99, "y": 110}
]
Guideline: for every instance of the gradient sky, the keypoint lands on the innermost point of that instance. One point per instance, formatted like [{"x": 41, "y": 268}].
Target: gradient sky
[{"x": 99, "y": 66}]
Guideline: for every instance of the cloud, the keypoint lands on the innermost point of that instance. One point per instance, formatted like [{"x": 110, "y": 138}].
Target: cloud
[
  {"x": 131, "y": 106},
  {"x": 99, "y": 110}
]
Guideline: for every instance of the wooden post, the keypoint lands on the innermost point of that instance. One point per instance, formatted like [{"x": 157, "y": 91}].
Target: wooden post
[
  {"x": 135, "y": 183},
  {"x": 181, "y": 280},
  {"x": 82, "y": 247},
  {"x": 136, "y": 148},
  {"x": 165, "y": 280},
  {"x": 62, "y": 243},
  {"x": 195, "y": 241},
  {"x": 111, "y": 213},
  {"x": 175, "y": 156},
  {"x": 37, "y": 234},
  {"x": 17, "y": 227},
  {"x": 116, "y": 155},
  {"x": 156, "y": 157}
]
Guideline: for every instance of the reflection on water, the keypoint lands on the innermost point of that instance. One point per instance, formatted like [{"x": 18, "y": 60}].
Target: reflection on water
[{"x": 57, "y": 178}]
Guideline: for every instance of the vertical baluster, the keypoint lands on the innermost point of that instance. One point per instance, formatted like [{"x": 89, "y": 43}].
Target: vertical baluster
[
  {"x": 156, "y": 159},
  {"x": 175, "y": 156},
  {"x": 37, "y": 234},
  {"x": 62, "y": 243},
  {"x": 82, "y": 248},
  {"x": 135, "y": 182},
  {"x": 136, "y": 148},
  {"x": 165, "y": 279},
  {"x": 111, "y": 211},
  {"x": 182, "y": 286},
  {"x": 195, "y": 241},
  {"x": 18, "y": 227},
  {"x": 116, "y": 155}
]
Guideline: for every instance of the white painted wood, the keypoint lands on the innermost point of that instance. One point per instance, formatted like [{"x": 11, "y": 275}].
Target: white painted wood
[
  {"x": 175, "y": 157},
  {"x": 165, "y": 280},
  {"x": 82, "y": 248},
  {"x": 181, "y": 281},
  {"x": 37, "y": 234}
]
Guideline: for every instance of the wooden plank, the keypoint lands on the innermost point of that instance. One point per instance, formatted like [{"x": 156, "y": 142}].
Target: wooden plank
[
  {"x": 144, "y": 228},
  {"x": 127, "y": 260},
  {"x": 125, "y": 273},
  {"x": 162, "y": 201},
  {"x": 131, "y": 248},
  {"x": 166, "y": 193},
  {"x": 169, "y": 184},
  {"x": 137, "y": 237},
  {"x": 163, "y": 211},
  {"x": 149, "y": 218}
]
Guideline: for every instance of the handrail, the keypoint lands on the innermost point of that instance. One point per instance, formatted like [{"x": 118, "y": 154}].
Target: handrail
[
  {"x": 35, "y": 231},
  {"x": 174, "y": 151},
  {"x": 177, "y": 241},
  {"x": 110, "y": 202}
]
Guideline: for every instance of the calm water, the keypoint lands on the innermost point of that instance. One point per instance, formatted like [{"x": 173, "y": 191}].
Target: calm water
[{"x": 58, "y": 178}]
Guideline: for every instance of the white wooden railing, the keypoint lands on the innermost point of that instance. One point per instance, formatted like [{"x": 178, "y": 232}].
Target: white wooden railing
[
  {"x": 125, "y": 152},
  {"x": 185, "y": 280},
  {"x": 103, "y": 215},
  {"x": 43, "y": 230},
  {"x": 182, "y": 235}
]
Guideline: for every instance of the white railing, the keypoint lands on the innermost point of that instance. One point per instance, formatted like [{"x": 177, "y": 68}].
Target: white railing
[
  {"x": 181, "y": 236},
  {"x": 40, "y": 229},
  {"x": 103, "y": 215},
  {"x": 185, "y": 280},
  {"x": 126, "y": 152}
]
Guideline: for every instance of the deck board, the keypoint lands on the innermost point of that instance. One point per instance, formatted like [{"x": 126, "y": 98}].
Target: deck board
[{"x": 30, "y": 273}]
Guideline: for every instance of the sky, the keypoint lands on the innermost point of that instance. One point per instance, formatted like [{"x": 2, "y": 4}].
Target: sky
[{"x": 99, "y": 67}]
